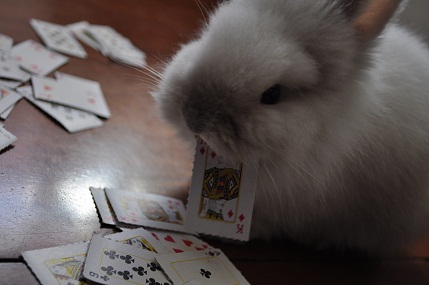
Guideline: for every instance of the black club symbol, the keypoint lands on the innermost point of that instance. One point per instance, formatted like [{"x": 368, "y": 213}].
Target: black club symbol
[
  {"x": 125, "y": 274},
  {"x": 111, "y": 254},
  {"x": 127, "y": 258},
  {"x": 140, "y": 270},
  {"x": 205, "y": 273},
  {"x": 153, "y": 266},
  {"x": 152, "y": 281},
  {"x": 109, "y": 270}
]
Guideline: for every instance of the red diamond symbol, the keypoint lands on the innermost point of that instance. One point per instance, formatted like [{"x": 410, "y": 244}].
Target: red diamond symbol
[
  {"x": 213, "y": 154},
  {"x": 230, "y": 213},
  {"x": 47, "y": 87},
  {"x": 202, "y": 150},
  {"x": 241, "y": 217}
]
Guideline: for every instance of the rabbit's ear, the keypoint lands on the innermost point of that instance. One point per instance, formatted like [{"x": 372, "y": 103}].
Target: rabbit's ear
[{"x": 370, "y": 16}]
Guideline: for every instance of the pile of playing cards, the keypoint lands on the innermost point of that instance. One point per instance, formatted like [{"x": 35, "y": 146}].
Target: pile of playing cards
[
  {"x": 109, "y": 42},
  {"x": 135, "y": 256},
  {"x": 76, "y": 103}
]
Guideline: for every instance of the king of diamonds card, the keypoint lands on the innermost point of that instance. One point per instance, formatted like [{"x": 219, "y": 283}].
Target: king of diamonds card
[{"x": 221, "y": 196}]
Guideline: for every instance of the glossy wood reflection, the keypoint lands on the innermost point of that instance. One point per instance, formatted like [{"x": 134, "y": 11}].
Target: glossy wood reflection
[{"x": 46, "y": 175}]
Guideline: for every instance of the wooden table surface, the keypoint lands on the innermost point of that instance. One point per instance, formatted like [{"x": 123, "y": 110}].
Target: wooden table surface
[{"x": 46, "y": 174}]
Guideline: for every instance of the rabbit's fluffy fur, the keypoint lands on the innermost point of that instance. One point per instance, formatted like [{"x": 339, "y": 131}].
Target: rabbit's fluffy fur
[{"x": 344, "y": 153}]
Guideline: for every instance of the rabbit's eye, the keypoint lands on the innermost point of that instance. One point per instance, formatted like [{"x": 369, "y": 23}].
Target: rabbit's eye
[{"x": 271, "y": 95}]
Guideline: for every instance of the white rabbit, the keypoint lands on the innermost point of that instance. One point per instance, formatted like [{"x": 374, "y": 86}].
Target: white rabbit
[{"x": 332, "y": 97}]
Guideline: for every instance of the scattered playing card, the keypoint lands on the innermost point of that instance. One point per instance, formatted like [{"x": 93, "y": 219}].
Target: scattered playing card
[
  {"x": 112, "y": 262},
  {"x": 58, "y": 38},
  {"x": 140, "y": 238},
  {"x": 12, "y": 84},
  {"x": 104, "y": 208},
  {"x": 203, "y": 267},
  {"x": 6, "y": 138},
  {"x": 148, "y": 210},
  {"x": 9, "y": 69},
  {"x": 178, "y": 242},
  {"x": 73, "y": 120},
  {"x": 8, "y": 98},
  {"x": 79, "y": 29},
  {"x": 116, "y": 46},
  {"x": 60, "y": 265},
  {"x": 222, "y": 194},
  {"x": 35, "y": 58},
  {"x": 72, "y": 91},
  {"x": 5, "y": 45}
]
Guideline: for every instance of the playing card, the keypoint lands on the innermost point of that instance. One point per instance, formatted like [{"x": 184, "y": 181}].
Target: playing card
[
  {"x": 73, "y": 120},
  {"x": 6, "y": 113},
  {"x": 12, "y": 84},
  {"x": 58, "y": 38},
  {"x": 222, "y": 194},
  {"x": 104, "y": 208},
  {"x": 112, "y": 262},
  {"x": 35, "y": 58},
  {"x": 116, "y": 46},
  {"x": 8, "y": 98},
  {"x": 72, "y": 91},
  {"x": 9, "y": 69},
  {"x": 200, "y": 267},
  {"x": 60, "y": 265},
  {"x": 148, "y": 210},
  {"x": 140, "y": 238},
  {"x": 6, "y": 138},
  {"x": 5, "y": 45},
  {"x": 79, "y": 29},
  {"x": 178, "y": 242}
]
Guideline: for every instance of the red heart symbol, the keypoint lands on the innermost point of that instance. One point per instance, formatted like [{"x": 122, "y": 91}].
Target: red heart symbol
[
  {"x": 177, "y": 250},
  {"x": 154, "y": 235},
  {"x": 199, "y": 248},
  {"x": 187, "y": 242},
  {"x": 170, "y": 239}
]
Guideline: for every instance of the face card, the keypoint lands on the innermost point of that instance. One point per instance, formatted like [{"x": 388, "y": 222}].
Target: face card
[
  {"x": 112, "y": 262},
  {"x": 72, "y": 91},
  {"x": 58, "y": 38},
  {"x": 139, "y": 238},
  {"x": 8, "y": 98},
  {"x": 178, "y": 242},
  {"x": 201, "y": 268},
  {"x": 73, "y": 120},
  {"x": 61, "y": 265},
  {"x": 36, "y": 59},
  {"x": 9, "y": 69},
  {"x": 148, "y": 210},
  {"x": 6, "y": 138},
  {"x": 222, "y": 195}
]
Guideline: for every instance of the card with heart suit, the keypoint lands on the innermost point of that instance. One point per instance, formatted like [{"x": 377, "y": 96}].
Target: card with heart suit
[
  {"x": 112, "y": 262},
  {"x": 58, "y": 38},
  {"x": 179, "y": 242},
  {"x": 62, "y": 265},
  {"x": 36, "y": 59},
  {"x": 222, "y": 195},
  {"x": 200, "y": 267},
  {"x": 140, "y": 238},
  {"x": 72, "y": 91},
  {"x": 73, "y": 120},
  {"x": 149, "y": 210}
]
